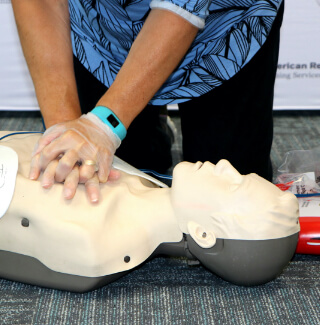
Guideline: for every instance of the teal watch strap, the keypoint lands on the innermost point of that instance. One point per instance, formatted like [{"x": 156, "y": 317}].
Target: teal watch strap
[{"x": 108, "y": 117}]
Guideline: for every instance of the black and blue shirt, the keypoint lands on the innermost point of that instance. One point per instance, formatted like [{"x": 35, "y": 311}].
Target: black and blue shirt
[{"x": 230, "y": 34}]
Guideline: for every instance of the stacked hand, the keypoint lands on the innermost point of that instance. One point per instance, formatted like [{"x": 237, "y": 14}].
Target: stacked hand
[{"x": 78, "y": 151}]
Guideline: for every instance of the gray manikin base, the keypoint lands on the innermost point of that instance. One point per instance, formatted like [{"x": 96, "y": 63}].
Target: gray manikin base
[{"x": 242, "y": 262}]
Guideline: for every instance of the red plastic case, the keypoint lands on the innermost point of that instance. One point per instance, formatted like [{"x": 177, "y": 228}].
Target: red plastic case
[{"x": 309, "y": 237}]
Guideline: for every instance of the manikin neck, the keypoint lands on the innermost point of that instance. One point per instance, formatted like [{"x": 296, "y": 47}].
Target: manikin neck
[
  {"x": 162, "y": 211},
  {"x": 155, "y": 204}
]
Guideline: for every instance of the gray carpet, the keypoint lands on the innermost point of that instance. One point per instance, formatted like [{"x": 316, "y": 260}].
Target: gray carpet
[{"x": 167, "y": 290}]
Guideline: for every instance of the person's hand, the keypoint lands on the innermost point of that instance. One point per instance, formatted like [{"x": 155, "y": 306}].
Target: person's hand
[
  {"x": 78, "y": 151},
  {"x": 73, "y": 179}
]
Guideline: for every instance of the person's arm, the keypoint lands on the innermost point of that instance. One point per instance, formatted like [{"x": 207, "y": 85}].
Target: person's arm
[
  {"x": 159, "y": 47},
  {"x": 44, "y": 30}
]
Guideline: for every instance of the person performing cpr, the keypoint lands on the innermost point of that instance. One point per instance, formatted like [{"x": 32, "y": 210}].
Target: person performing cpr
[{"x": 104, "y": 72}]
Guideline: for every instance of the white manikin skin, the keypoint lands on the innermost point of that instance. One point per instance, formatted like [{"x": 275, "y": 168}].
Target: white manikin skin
[
  {"x": 220, "y": 202},
  {"x": 133, "y": 217}
]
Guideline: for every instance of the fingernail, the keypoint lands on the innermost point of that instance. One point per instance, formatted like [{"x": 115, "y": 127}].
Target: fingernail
[
  {"x": 32, "y": 175},
  {"x": 94, "y": 198},
  {"x": 46, "y": 185}
]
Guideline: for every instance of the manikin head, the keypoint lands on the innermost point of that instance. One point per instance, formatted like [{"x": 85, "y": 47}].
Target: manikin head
[
  {"x": 241, "y": 227},
  {"x": 216, "y": 201}
]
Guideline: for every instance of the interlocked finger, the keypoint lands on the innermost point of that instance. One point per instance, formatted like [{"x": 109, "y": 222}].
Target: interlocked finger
[
  {"x": 93, "y": 189},
  {"x": 66, "y": 165},
  {"x": 71, "y": 183},
  {"x": 87, "y": 170},
  {"x": 48, "y": 176}
]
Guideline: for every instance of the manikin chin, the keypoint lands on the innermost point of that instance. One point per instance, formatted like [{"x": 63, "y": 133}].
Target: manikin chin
[{"x": 241, "y": 227}]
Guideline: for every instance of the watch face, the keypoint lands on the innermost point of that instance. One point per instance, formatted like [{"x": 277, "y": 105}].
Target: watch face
[{"x": 113, "y": 121}]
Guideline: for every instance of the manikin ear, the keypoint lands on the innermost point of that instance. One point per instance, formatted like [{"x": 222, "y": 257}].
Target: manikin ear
[{"x": 205, "y": 239}]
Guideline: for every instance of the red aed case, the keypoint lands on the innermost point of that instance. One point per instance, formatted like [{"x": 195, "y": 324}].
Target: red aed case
[{"x": 309, "y": 237}]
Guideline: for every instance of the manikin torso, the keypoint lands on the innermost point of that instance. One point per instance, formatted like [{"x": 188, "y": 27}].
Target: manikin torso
[
  {"x": 130, "y": 220},
  {"x": 134, "y": 217}
]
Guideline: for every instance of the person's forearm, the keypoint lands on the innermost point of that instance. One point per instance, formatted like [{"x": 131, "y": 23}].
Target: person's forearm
[
  {"x": 44, "y": 30},
  {"x": 161, "y": 44}
]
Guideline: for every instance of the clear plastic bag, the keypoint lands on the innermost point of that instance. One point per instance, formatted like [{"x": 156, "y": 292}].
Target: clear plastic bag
[{"x": 299, "y": 172}]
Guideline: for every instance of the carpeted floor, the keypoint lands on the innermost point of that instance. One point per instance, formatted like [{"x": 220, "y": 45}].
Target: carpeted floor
[{"x": 167, "y": 290}]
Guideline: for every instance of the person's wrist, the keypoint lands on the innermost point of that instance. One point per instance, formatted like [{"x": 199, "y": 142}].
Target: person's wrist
[
  {"x": 108, "y": 117},
  {"x": 103, "y": 127}
]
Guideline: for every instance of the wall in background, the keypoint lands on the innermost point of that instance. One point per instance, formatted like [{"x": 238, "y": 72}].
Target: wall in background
[
  {"x": 298, "y": 76},
  {"x": 16, "y": 88}
]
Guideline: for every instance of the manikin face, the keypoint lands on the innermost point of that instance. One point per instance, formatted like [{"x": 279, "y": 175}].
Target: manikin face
[
  {"x": 211, "y": 187},
  {"x": 229, "y": 204}
]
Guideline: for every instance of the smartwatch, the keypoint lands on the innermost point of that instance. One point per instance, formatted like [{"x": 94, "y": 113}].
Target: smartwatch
[{"x": 108, "y": 117}]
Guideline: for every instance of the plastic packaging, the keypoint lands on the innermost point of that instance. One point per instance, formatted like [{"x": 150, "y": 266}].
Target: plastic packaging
[{"x": 299, "y": 172}]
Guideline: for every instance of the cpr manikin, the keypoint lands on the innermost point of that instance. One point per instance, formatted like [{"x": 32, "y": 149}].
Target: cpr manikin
[{"x": 242, "y": 228}]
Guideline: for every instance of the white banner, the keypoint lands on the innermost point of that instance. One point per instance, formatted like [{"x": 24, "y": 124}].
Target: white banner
[
  {"x": 16, "y": 87},
  {"x": 298, "y": 75}
]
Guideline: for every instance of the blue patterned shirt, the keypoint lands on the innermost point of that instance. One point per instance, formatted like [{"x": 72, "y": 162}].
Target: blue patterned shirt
[{"x": 230, "y": 33}]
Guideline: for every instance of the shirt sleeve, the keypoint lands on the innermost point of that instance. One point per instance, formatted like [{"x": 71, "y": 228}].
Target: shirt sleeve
[{"x": 195, "y": 11}]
